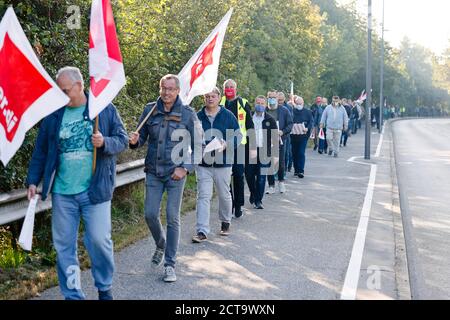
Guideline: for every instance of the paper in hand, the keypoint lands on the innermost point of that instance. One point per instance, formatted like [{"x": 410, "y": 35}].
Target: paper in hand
[
  {"x": 26, "y": 235},
  {"x": 215, "y": 144}
]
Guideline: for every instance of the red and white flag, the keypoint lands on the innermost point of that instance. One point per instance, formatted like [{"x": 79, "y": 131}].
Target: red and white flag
[
  {"x": 199, "y": 75},
  {"x": 362, "y": 97},
  {"x": 27, "y": 92},
  {"x": 105, "y": 59}
]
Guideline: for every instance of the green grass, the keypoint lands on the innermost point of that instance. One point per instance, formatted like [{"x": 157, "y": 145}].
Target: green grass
[{"x": 23, "y": 275}]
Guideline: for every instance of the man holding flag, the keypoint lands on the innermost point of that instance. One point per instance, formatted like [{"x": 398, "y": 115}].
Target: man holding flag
[{"x": 76, "y": 159}]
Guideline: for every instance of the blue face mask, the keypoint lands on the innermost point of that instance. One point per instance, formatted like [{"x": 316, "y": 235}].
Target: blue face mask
[
  {"x": 260, "y": 108},
  {"x": 272, "y": 101}
]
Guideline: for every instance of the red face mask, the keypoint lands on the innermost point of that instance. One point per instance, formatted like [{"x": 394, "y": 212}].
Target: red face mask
[{"x": 230, "y": 93}]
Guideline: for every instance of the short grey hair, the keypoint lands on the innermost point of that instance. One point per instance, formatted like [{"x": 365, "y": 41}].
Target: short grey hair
[
  {"x": 217, "y": 91},
  {"x": 72, "y": 72},
  {"x": 230, "y": 81},
  {"x": 170, "y": 77}
]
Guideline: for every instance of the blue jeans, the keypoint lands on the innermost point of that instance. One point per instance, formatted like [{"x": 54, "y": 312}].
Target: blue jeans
[
  {"x": 288, "y": 155},
  {"x": 154, "y": 189},
  {"x": 299, "y": 143},
  {"x": 66, "y": 214}
]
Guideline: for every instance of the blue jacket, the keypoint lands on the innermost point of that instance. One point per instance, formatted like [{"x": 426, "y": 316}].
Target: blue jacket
[
  {"x": 44, "y": 162},
  {"x": 224, "y": 120},
  {"x": 161, "y": 128},
  {"x": 285, "y": 121},
  {"x": 306, "y": 117}
]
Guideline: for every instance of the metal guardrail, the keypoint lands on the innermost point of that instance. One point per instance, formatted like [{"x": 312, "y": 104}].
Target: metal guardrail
[{"x": 13, "y": 205}]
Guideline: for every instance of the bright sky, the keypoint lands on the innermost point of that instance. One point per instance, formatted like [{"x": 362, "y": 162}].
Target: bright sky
[{"x": 425, "y": 22}]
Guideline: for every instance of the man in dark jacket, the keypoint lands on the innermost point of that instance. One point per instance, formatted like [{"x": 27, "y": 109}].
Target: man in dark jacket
[
  {"x": 167, "y": 165},
  {"x": 267, "y": 139},
  {"x": 284, "y": 121},
  {"x": 303, "y": 123},
  {"x": 241, "y": 110},
  {"x": 219, "y": 125},
  {"x": 63, "y": 159}
]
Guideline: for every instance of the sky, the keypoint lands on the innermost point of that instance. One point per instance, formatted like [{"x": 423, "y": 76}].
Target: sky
[{"x": 425, "y": 22}]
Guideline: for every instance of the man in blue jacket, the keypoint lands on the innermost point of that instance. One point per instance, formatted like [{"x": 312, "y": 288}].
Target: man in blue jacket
[
  {"x": 221, "y": 125},
  {"x": 283, "y": 119},
  {"x": 63, "y": 159},
  {"x": 170, "y": 129}
]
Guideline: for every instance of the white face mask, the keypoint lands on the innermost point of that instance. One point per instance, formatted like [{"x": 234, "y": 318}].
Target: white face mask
[{"x": 298, "y": 106}]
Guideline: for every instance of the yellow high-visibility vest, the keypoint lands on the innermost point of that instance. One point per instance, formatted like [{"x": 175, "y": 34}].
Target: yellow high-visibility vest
[{"x": 241, "y": 117}]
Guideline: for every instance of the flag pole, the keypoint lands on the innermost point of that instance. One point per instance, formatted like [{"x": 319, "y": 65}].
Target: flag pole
[
  {"x": 94, "y": 159},
  {"x": 145, "y": 119}
]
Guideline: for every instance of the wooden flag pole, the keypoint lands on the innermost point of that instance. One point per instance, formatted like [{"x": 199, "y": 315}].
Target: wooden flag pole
[
  {"x": 145, "y": 119},
  {"x": 94, "y": 160}
]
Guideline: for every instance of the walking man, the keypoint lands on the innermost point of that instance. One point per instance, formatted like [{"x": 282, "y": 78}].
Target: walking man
[
  {"x": 335, "y": 119},
  {"x": 169, "y": 122},
  {"x": 63, "y": 159}
]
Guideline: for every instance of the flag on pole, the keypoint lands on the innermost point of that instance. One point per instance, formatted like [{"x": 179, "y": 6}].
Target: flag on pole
[
  {"x": 199, "y": 75},
  {"x": 27, "y": 92},
  {"x": 106, "y": 70},
  {"x": 362, "y": 97},
  {"x": 292, "y": 88}
]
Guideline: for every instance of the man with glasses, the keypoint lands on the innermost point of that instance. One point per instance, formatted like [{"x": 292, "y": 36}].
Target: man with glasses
[
  {"x": 63, "y": 159},
  {"x": 170, "y": 130}
]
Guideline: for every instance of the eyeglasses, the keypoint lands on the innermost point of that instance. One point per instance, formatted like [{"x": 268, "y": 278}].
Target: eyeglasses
[
  {"x": 164, "y": 89},
  {"x": 66, "y": 91}
]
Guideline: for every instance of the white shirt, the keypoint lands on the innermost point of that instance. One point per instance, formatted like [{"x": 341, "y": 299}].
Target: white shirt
[{"x": 257, "y": 121}]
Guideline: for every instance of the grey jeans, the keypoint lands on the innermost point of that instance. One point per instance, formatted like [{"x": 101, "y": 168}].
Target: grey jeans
[
  {"x": 154, "y": 189},
  {"x": 207, "y": 177},
  {"x": 334, "y": 139}
]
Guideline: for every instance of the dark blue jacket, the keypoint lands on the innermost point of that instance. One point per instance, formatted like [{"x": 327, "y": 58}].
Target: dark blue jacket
[
  {"x": 224, "y": 120},
  {"x": 180, "y": 124},
  {"x": 44, "y": 162},
  {"x": 285, "y": 121},
  {"x": 306, "y": 117}
]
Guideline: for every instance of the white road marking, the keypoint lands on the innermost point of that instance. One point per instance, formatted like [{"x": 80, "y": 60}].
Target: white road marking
[{"x": 350, "y": 287}]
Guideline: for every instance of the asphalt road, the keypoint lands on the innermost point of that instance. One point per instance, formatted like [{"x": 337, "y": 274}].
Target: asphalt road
[
  {"x": 298, "y": 247},
  {"x": 423, "y": 167}
]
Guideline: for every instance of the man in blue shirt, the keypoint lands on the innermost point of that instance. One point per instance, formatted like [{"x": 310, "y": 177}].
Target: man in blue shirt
[{"x": 62, "y": 158}]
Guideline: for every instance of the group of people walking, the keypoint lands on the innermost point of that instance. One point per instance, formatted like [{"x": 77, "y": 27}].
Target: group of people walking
[{"x": 224, "y": 143}]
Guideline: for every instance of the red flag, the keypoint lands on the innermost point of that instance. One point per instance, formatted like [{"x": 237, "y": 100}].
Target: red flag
[
  {"x": 105, "y": 59},
  {"x": 27, "y": 92},
  {"x": 199, "y": 75}
]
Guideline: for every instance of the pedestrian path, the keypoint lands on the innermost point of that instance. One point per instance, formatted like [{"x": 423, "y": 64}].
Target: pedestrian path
[{"x": 298, "y": 247}]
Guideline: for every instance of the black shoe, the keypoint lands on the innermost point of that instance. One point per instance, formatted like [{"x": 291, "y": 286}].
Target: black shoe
[
  {"x": 251, "y": 199},
  {"x": 225, "y": 229},
  {"x": 237, "y": 212},
  {"x": 301, "y": 175},
  {"x": 330, "y": 152},
  {"x": 315, "y": 148},
  {"x": 105, "y": 295},
  {"x": 320, "y": 151},
  {"x": 259, "y": 205},
  {"x": 199, "y": 237},
  {"x": 296, "y": 174}
]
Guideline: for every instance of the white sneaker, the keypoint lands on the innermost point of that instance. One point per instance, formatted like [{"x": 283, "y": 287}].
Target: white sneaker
[
  {"x": 169, "y": 274},
  {"x": 271, "y": 190},
  {"x": 282, "y": 187}
]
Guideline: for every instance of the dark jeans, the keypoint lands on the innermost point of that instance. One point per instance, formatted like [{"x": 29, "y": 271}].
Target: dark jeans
[
  {"x": 256, "y": 181},
  {"x": 237, "y": 185},
  {"x": 344, "y": 137},
  {"x": 281, "y": 163},
  {"x": 323, "y": 145},
  {"x": 299, "y": 143},
  {"x": 354, "y": 126},
  {"x": 288, "y": 156}
]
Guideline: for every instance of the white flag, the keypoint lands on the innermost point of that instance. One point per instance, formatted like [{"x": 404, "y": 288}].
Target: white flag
[
  {"x": 105, "y": 59},
  {"x": 199, "y": 75},
  {"x": 26, "y": 234},
  {"x": 27, "y": 92}
]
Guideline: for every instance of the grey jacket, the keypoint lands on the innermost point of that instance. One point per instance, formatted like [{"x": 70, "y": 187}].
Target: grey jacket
[
  {"x": 161, "y": 132},
  {"x": 335, "y": 118}
]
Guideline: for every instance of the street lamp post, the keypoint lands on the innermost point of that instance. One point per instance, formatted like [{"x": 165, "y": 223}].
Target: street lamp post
[
  {"x": 368, "y": 82},
  {"x": 382, "y": 75}
]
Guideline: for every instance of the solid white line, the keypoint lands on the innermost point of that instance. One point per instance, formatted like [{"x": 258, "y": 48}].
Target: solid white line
[
  {"x": 354, "y": 268},
  {"x": 377, "y": 153}
]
